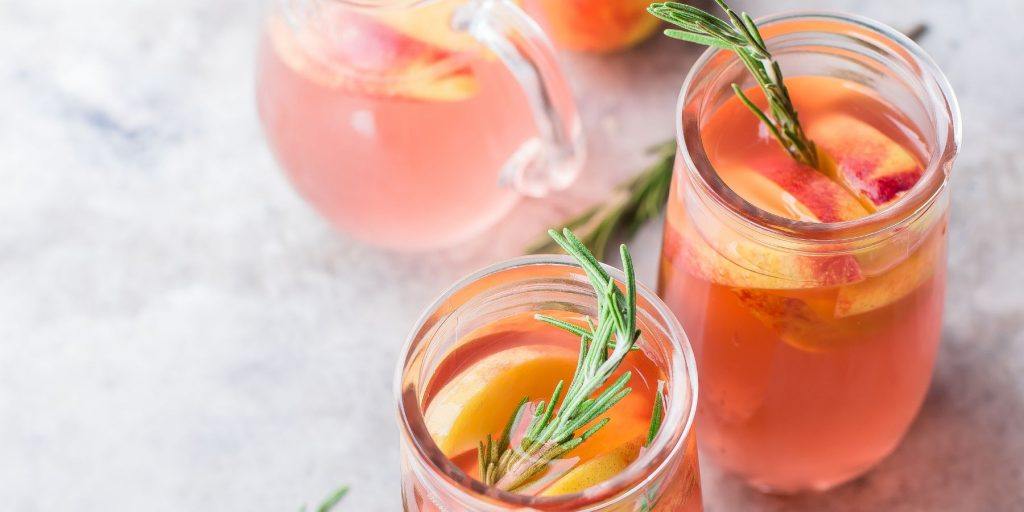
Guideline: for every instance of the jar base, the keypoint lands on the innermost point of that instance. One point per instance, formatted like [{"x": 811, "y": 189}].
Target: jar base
[{"x": 776, "y": 488}]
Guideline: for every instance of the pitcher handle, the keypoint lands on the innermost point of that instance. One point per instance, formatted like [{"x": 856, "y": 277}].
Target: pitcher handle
[{"x": 553, "y": 162}]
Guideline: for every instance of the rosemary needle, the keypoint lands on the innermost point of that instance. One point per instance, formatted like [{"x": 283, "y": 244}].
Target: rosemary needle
[{"x": 658, "y": 414}]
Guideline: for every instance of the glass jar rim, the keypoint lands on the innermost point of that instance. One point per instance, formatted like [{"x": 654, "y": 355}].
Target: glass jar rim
[
  {"x": 913, "y": 205},
  {"x": 666, "y": 446}
]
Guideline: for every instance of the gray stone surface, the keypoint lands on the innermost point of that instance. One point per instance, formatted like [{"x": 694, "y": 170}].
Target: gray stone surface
[{"x": 178, "y": 331}]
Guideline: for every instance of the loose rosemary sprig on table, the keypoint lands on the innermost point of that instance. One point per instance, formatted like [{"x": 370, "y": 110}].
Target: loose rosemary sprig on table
[
  {"x": 331, "y": 501},
  {"x": 557, "y": 426},
  {"x": 630, "y": 206}
]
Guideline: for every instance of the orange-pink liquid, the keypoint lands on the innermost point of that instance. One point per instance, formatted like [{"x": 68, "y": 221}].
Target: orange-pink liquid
[
  {"x": 803, "y": 385},
  {"x": 395, "y": 141}
]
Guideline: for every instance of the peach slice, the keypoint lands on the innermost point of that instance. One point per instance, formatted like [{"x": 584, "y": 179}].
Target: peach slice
[
  {"x": 790, "y": 189},
  {"x": 596, "y": 470},
  {"x": 631, "y": 417},
  {"x": 392, "y": 62},
  {"x": 874, "y": 164},
  {"x": 780, "y": 185},
  {"x": 480, "y": 400},
  {"x": 431, "y": 23},
  {"x": 801, "y": 323},
  {"x": 608, "y": 25},
  {"x": 892, "y": 285},
  {"x": 816, "y": 321}
]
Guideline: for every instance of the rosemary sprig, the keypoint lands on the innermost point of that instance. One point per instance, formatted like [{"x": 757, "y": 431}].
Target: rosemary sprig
[
  {"x": 630, "y": 206},
  {"x": 741, "y": 36},
  {"x": 650, "y": 496},
  {"x": 557, "y": 426},
  {"x": 331, "y": 501}
]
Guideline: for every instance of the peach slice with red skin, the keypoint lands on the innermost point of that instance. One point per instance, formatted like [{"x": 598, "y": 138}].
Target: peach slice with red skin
[
  {"x": 882, "y": 170},
  {"x": 877, "y": 167},
  {"x": 816, "y": 320},
  {"x": 597, "y": 469},
  {"x": 803, "y": 324},
  {"x": 741, "y": 263},
  {"x": 874, "y": 164},
  {"x": 396, "y": 63},
  {"x": 894, "y": 284},
  {"x": 788, "y": 188}
]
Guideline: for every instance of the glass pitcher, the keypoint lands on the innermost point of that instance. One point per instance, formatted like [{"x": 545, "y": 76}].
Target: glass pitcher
[{"x": 414, "y": 124}]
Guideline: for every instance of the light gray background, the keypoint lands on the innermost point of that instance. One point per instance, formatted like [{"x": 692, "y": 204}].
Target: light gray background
[{"x": 178, "y": 331}]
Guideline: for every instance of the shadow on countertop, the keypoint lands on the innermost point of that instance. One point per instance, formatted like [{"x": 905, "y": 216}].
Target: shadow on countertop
[{"x": 962, "y": 453}]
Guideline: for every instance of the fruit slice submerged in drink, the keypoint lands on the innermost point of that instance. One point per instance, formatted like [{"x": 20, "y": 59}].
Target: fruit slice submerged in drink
[
  {"x": 431, "y": 23},
  {"x": 802, "y": 319},
  {"x": 478, "y": 401},
  {"x": 786, "y": 188},
  {"x": 874, "y": 164},
  {"x": 368, "y": 55},
  {"x": 483, "y": 380},
  {"x": 892, "y": 285},
  {"x": 880, "y": 170},
  {"x": 597, "y": 469},
  {"x": 824, "y": 318}
]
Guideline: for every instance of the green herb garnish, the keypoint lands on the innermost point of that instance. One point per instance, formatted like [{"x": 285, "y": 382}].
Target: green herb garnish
[
  {"x": 658, "y": 414},
  {"x": 741, "y": 36},
  {"x": 331, "y": 500},
  {"x": 557, "y": 425}
]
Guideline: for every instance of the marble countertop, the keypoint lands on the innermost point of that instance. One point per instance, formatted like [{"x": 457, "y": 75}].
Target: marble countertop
[{"x": 178, "y": 331}]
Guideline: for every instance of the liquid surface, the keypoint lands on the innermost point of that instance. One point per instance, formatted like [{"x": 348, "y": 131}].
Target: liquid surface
[
  {"x": 477, "y": 388},
  {"x": 871, "y": 143}
]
